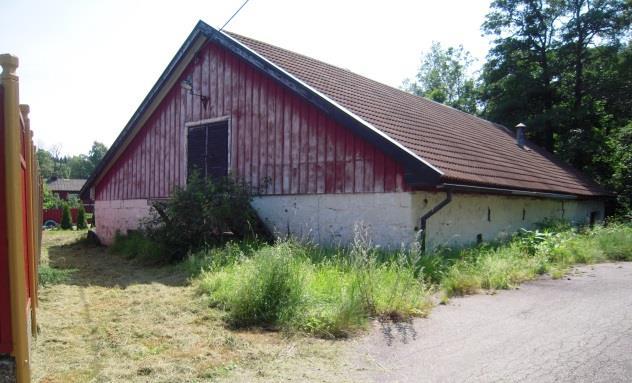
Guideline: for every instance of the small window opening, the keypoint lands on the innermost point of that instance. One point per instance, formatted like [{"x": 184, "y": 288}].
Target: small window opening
[
  {"x": 479, "y": 238},
  {"x": 524, "y": 213},
  {"x": 489, "y": 214}
]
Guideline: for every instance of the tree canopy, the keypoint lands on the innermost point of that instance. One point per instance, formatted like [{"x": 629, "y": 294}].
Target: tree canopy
[
  {"x": 562, "y": 67},
  {"x": 53, "y": 164}
]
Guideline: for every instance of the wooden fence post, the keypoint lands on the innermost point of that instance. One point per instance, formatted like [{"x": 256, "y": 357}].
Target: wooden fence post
[
  {"x": 30, "y": 213},
  {"x": 15, "y": 227}
]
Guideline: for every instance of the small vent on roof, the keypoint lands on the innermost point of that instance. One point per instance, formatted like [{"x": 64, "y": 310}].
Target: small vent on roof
[{"x": 520, "y": 134}]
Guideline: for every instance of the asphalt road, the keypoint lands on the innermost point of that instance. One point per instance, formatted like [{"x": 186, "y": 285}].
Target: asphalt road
[{"x": 570, "y": 330}]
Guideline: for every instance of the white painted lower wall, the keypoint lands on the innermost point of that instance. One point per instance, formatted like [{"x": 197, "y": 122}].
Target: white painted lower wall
[
  {"x": 391, "y": 218},
  {"x": 118, "y": 215}
]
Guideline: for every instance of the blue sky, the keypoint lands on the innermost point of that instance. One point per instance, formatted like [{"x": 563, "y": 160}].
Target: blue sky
[{"x": 85, "y": 66}]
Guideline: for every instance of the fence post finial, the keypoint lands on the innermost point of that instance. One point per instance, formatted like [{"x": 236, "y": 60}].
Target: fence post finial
[{"x": 9, "y": 64}]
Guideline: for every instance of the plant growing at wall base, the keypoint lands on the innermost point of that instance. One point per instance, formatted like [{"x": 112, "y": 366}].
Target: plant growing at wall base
[
  {"x": 81, "y": 218},
  {"x": 207, "y": 212},
  {"x": 66, "y": 220}
]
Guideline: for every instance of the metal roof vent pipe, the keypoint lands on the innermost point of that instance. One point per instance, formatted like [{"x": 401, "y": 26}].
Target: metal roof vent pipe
[{"x": 520, "y": 134}]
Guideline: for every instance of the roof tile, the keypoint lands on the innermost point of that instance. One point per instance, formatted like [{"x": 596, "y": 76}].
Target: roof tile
[{"x": 466, "y": 148}]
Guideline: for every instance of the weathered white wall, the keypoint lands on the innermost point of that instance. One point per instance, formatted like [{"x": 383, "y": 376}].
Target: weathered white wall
[
  {"x": 118, "y": 215},
  {"x": 459, "y": 222},
  {"x": 329, "y": 219},
  {"x": 392, "y": 218}
]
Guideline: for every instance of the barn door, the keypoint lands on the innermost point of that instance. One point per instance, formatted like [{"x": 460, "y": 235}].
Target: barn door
[{"x": 208, "y": 150}]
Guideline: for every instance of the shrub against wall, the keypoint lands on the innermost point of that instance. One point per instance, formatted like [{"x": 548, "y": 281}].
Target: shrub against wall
[{"x": 207, "y": 212}]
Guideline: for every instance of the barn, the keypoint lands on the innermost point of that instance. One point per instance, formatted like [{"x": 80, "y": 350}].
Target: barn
[{"x": 330, "y": 148}]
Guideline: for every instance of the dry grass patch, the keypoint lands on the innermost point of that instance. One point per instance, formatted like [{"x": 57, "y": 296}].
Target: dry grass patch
[{"x": 114, "y": 320}]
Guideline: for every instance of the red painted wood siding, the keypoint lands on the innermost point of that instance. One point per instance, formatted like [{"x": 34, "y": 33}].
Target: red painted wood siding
[{"x": 274, "y": 135}]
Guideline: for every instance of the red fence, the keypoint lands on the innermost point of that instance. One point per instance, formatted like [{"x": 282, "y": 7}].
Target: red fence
[
  {"x": 20, "y": 214},
  {"x": 55, "y": 215}
]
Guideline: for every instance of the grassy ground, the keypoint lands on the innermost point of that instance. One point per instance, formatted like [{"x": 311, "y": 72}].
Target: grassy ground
[{"x": 109, "y": 319}]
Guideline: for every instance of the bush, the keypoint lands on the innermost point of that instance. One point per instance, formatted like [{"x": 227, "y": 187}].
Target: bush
[
  {"x": 81, "y": 218},
  {"x": 205, "y": 213},
  {"x": 66, "y": 219}
]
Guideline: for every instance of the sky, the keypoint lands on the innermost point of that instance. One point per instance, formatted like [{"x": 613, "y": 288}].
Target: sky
[{"x": 86, "y": 65}]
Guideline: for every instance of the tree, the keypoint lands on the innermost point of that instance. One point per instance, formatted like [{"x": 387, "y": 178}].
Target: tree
[
  {"x": 50, "y": 200},
  {"x": 590, "y": 20},
  {"x": 96, "y": 154},
  {"x": 560, "y": 67},
  {"x": 66, "y": 219},
  {"x": 526, "y": 36},
  {"x": 81, "y": 218},
  {"x": 54, "y": 164},
  {"x": 46, "y": 163},
  {"x": 443, "y": 77},
  {"x": 80, "y": 166}
]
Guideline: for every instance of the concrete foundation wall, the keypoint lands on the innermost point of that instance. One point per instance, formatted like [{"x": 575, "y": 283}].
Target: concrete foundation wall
[
  {"x": 329, "y": 219},
  {"x": 119, "y": 215},
  {"x": 391, "y": 218},
  {"x": 494, "y": 217}
]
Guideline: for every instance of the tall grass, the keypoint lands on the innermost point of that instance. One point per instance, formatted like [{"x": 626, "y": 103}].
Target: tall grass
[
  {"x": 333, "y": 292},
  {"x": 300, "y": 288},
  {"x": 534, "y": 253}
]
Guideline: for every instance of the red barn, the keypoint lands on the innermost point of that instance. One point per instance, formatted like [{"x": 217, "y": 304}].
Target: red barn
[{"x": 336, "y": 147}]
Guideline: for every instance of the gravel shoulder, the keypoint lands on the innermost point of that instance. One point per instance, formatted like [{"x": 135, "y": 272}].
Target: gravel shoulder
[{"x": 578, "y": 329}]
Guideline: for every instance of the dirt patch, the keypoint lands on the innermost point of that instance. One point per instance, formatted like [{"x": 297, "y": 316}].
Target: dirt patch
[{"x": 114, "y": 320}]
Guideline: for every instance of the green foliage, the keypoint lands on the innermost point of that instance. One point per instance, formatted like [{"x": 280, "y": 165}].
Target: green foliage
[
  {"x": 48, "y": 275},
  {"x": 333, "y": 292},
  {"x": 135, "y": 245},
  {"x": 532, "y": 253},
  {"x": 620, "y": 144},
  {"x": 303, "y": 288},
  {"x": 205, "y": 213},
  {"x": 66, "y": 218},
  {"x": 443, "y": 77},
  {"x": 53, "y": 164},
  {"x": 81, "y": 218},
  {"x": 561, "y": 68},
  {"x": 50, "y": 200}
]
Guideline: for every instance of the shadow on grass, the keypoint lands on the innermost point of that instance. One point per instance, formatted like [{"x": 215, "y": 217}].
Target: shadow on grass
[{"x": 91, "y": 265}]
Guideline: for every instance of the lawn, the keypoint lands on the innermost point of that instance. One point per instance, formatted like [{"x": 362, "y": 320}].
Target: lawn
[
  {"x": 110, "y": 319},
  {"x": 253, "y": 311}
]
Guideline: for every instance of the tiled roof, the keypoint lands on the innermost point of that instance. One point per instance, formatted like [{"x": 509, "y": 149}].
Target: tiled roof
[
  {"x": 467, "y": 149},
  {"x": 65, "y": 184}
]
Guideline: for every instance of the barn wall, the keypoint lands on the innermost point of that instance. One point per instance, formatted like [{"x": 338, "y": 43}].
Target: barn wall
[
  {"x": 119, "y": 216},
  {"x": 274, "y": 135},
  {"x": 494, "y": 217},
  {"x": 391, "y": 218}
]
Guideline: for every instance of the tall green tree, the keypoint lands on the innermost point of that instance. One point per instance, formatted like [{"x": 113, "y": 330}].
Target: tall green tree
[
  {"x": 564, "y": 68},
  {"x": 521, "y": 71},
  {"x": 443, "y": 77},
  {"x": 96, "y": 154}
]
